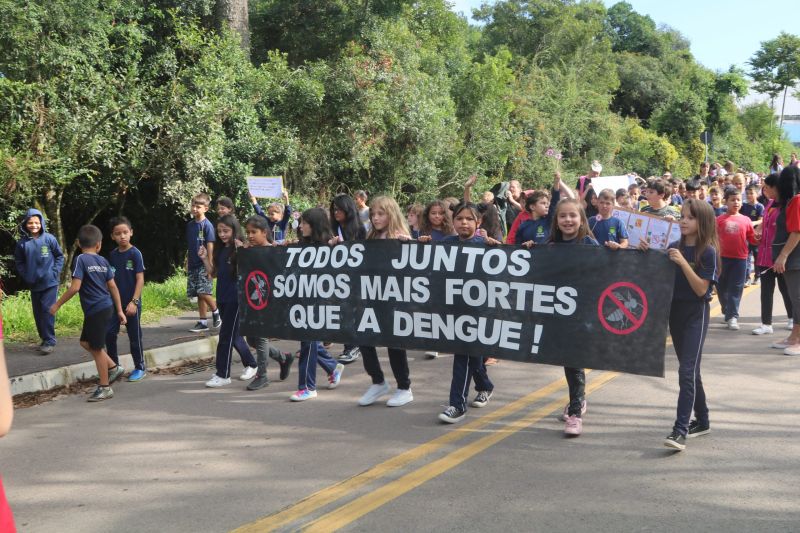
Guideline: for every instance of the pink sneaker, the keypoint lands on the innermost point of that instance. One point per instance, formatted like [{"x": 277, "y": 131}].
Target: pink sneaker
[
  {"x": 565, "y": 414},
  {"x": 574, "y": 426}
]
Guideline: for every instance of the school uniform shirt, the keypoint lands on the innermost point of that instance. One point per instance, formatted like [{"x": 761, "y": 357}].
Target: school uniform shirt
[
  {"x": 734, "y": 232},
  {"x": 95, "y": 273},
  {"x": 721, "y": 210},
  {"x": 125, "y": 265},
  {"x": 586, "y": 240},
  {"x": 609, "y": 229},
  {"x": 226, "y": 280},
  {"x": 677, "y": 199},
  {"x": 477, "y": 239},
  {"x": 437, "y": 235},
  {"x": 197, "y": 235},
  {"x": 752, "y": 211},
  {"x": 706, "y": 268},
  {"x": 537, "y": 231}
]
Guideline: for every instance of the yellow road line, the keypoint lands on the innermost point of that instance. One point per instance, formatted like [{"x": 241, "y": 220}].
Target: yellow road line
[
  {"x": 343, "y": 488},
  {"x": 359, "y": 507},
  {"x": 339, "y": 490}
]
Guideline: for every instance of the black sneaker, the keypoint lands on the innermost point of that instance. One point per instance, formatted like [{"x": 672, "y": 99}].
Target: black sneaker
[
  {"x": 696, "y": 430},
  {"x": 451, "y": 415},
  {"x": 286, "y": 365},
  {"x": 349, "y": 356},
  {"x": 199, "y": 328},
  {"x": 675, "y": 441},
  {"x": 259, "y": 382},
  {"x": 216, "y": 319},
  {"x": 481, "y": 399}
]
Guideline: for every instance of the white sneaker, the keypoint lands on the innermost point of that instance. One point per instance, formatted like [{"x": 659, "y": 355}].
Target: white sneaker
[
  {"x": 373, "y": 393},
  {"x": 762, "y": 329},
  {"x": 733, "y": 324},
  {"x": 792, "y": 350},
  {"x": 216, "y": 382},
  {"x": 790, "y": 324},
  {"x": 781, "y": 345},
  {"x": 400, "y": 398},
  {"x": 431, "y": 355},
  {"x": 248, "y": 374}
]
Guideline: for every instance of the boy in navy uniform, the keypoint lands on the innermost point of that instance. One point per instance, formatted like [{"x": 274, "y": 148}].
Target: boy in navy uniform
[
  {"x": 200, "y": 233},
  {"x": 94, "y": 281},
  {"x": 127, "y": 265},
  {"x": 39, "y": 261}
]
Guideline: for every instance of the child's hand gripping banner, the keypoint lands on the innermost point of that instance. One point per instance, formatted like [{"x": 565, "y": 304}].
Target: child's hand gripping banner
[{"x": 576, "y": 306}]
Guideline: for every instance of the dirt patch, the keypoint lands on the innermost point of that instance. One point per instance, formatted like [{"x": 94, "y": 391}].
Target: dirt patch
[{"x": 29, "y": 399}]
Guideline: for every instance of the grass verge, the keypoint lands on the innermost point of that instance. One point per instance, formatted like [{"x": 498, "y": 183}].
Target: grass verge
[{"x": 158, "y": 300}]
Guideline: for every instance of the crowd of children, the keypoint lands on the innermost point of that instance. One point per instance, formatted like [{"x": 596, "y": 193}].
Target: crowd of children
[{"x": 727, "y": 225}]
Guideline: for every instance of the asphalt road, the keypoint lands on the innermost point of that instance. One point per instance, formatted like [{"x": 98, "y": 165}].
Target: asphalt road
[{"x": 168, "y": 454}]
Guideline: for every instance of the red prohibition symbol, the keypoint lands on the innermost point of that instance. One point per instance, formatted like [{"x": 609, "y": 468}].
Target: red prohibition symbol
[
  {"x": 625, "y": 308},
  {"x": 257, "y": 289}
]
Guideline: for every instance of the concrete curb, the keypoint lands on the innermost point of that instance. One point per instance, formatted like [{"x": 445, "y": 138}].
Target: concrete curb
[{"x": 165, "y": 356}]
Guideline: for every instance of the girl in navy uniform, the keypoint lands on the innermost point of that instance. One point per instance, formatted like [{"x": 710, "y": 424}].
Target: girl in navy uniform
[
  {"x": 387, "y": 222},
  {"x": 467, "y": 219},
  {"x": 697, "y": 257},
  {"x": 570, "y": 226},
  {"x": 346, "y": 226},
  {"x": 224, "y": 269},
  {"x": 315, "y": 228},
  {"x": 436, "y": 224}
]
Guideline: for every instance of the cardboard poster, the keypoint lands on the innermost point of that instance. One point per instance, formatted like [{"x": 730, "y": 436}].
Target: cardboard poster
[{"x": 265, "y": 186}]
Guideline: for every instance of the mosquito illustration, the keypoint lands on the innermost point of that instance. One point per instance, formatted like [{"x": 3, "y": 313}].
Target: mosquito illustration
[
  {"x": 260, "y": 291},
  {"x": 618, "y": 316}
]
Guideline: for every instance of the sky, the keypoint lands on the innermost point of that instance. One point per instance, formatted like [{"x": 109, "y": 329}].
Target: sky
[{"x": 722, "y": 32}]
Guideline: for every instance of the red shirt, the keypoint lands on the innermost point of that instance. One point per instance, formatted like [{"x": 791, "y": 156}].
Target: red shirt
[{"x": 734, "y": 232}]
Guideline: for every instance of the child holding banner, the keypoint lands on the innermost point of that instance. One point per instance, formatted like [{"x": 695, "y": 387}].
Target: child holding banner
[
  {"x": 315, "y": 228},
  {"x": 465, "y": 368},
  {"x": 224, "y": 269},
  {"x": 570, "y": 226},
  {"x": 346, "y": 226},
  {"x": 258, "y": 234},
  {"x": 696, "y": 255},
  {"x": 387, "y": 222},
  {"x": 435, "y": 226}
]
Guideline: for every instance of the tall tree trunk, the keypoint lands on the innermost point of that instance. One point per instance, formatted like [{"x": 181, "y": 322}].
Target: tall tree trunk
[
  {"x": 783, "y": 106},
  {"x": 52, "y": 212},
  {"x": 235, "y": 14}
]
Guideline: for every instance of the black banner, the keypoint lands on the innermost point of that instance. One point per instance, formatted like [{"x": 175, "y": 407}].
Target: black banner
[{"x": 566, "y": 305}]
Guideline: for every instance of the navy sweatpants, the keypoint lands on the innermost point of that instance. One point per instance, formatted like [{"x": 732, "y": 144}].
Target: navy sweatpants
[
  {"x": 312, "y": 353},
  {"x": 465, "y": 369},
  {"x": 41, "y": 302},
  {"x": 230, "y": 338},
  {"x": 731, "y": 285},
  {"x": 688, "y": 325},
  {"x": 134, "y": 328}
]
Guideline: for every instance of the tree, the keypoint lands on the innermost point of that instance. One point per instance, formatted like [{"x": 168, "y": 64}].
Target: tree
[
  {"x": 235, "y": 14},
  {"x": 776, "y": 66}
]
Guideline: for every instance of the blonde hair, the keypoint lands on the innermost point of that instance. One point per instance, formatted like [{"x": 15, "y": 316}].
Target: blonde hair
[{"x": 397, "y": 222}]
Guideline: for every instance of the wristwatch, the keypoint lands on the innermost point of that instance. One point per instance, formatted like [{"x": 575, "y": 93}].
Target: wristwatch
[{"x": 135, "y": 301}]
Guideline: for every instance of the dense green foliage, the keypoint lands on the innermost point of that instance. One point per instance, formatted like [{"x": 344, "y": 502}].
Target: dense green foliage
[{"x": 130, "y": 106}]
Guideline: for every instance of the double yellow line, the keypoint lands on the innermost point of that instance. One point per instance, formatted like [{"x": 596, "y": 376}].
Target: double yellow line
[
  {"x": 365, "y": 504},
  {"x": 355, "y": 509}
]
